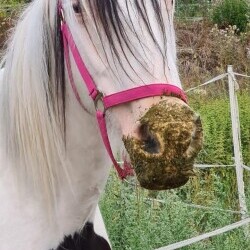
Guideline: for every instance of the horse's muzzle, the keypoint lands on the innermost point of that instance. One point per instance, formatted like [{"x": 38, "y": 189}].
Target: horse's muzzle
[{"x": 170, "y": 138}]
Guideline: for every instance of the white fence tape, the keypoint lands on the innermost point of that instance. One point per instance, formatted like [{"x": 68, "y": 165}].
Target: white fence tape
[
  {"x": 246, "y": 167},
  {"x": 200, "y": 165},
  {"x": 237, "y": 74},
  {"x": 212, "y": 166},
  {"x": 212, "y": 208},
  {"x": 206, "y": 235},
  {"x": 196, "y": 206},
  {"x": 215, "y": 79}
]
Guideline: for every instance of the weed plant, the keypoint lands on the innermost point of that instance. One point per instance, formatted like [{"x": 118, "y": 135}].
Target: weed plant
[{"x": 204, "y": 51}]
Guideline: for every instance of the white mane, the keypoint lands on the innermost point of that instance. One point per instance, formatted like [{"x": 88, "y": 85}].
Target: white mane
[{"x": 30, "y": 125}]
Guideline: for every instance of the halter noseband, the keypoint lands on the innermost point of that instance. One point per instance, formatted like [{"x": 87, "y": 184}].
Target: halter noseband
[{"x": 108, "y": 101}]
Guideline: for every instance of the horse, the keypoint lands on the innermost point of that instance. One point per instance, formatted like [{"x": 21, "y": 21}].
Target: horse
[{"x": 76, "y": 80}]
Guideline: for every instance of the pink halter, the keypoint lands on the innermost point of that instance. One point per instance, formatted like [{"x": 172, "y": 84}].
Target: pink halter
[{"x": 156, "y": 89}]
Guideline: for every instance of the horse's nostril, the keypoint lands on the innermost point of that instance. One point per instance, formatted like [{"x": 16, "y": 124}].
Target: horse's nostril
[
  {"x": 151, "y": 145},
  {"x": 150, "y": 142}
]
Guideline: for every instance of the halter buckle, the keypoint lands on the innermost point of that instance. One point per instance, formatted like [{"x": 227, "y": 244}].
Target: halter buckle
[{"x": 99, "y": 105}]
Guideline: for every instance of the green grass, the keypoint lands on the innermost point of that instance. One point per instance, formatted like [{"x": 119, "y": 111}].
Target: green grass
[{"x": 136, "y": 223}]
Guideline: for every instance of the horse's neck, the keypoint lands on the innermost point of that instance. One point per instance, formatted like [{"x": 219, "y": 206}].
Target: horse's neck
[{"x": 22, "y": 214}]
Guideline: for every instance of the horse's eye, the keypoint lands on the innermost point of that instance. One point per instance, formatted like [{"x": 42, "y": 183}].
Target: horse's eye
[{"x": 76, "y": 8}]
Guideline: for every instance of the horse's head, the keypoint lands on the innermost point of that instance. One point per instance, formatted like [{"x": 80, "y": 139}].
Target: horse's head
[
  {"x": 116, "y": 53},
  {"x": 126, "y": 44}
]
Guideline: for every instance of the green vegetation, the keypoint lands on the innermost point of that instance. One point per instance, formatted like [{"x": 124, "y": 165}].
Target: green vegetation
[
  {"x": 232, "y": 12},
  {"x": 192, "y": 8},
  {"x": 3, "y": 2},
  {"x": 136, "y": 223},
  {"x": 215, "y": 113},
  {"x": 224, "y": 13}
]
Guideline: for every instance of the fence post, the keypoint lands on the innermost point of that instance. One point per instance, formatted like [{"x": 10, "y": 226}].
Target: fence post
[{"x": 233, "y": 87}]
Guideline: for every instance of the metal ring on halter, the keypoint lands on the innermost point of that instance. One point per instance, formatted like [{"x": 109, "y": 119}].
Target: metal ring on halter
[
  {"x": 99, "y": 105},
  {"x": 62, "y": 17}
]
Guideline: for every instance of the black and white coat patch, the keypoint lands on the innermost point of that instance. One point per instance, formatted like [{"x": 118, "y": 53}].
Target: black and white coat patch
[{"x": 86, "y": 239}]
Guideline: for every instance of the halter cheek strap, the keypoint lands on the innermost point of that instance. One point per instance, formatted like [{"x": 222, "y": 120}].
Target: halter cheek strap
[{"x": 156, "y": 89}]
